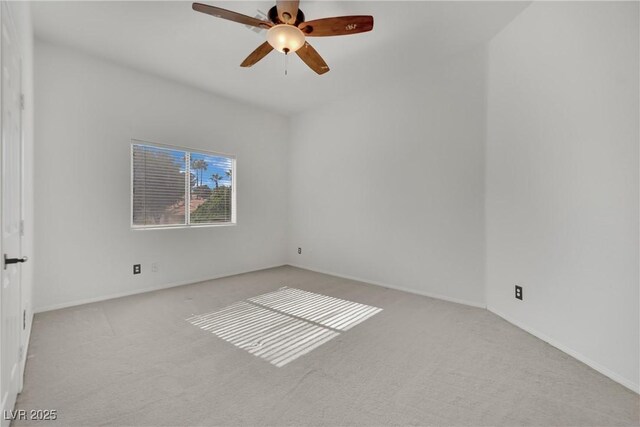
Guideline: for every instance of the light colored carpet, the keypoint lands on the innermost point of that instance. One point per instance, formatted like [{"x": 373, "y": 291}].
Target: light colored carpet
[
  {"x": 419, "y": 361},
  {"x": 282, "y": 325}
]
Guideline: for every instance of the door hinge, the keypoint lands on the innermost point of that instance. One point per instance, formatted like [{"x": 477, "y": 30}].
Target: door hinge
[
  {"x": 22, "y": 101},
  {"x": 20, "y": 352},
  {"x": 24, "y": 319}
]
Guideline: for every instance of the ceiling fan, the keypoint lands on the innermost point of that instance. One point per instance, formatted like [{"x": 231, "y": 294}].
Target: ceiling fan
[{"x": 287, "y": 30}]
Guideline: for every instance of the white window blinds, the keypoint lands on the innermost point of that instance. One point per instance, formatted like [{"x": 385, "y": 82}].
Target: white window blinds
[{"x": 174, "y": 187}]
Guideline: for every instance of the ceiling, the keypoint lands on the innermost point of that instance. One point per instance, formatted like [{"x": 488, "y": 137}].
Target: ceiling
[{"x": 169, "y": 39}]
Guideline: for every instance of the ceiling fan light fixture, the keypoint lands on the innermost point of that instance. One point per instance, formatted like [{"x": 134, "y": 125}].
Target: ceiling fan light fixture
[
  {"x": 284, "y": 34},
  {"x": 285, "y": 38}
]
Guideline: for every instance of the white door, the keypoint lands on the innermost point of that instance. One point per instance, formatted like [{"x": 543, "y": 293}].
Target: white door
[{"x": 11, "y": 140}]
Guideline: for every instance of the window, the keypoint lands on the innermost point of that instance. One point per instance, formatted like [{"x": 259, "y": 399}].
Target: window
[{"x": 175, "y": 187}]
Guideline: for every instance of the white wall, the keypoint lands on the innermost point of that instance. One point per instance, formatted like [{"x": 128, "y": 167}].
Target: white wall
[
  {"x": 387, "y": 185},
  {"x": 562, "y": 180},
  {"x": 87, "y": 112}
]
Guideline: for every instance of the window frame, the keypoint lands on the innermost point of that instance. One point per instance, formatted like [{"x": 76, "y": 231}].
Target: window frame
[{"x": 188, "y": 152}]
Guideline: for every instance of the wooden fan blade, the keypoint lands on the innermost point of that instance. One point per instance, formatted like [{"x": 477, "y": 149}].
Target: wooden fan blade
[
  {"x": 338, "y": 26},
  {"x": 312, "y": 58},
  {"x": 287, "y": 10},
  {"x": 231, "y": 16},
  {"x": 257, "y": 54}
]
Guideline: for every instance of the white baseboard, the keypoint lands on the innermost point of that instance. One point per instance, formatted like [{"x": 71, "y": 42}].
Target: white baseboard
[
  {"x": 397, "y": 288},
  {"x": 603, "y": 370},
  {"x": 143, "y": 290},
  {"x": 576, "y": 355},
  {"x": 25, "y": 351}
]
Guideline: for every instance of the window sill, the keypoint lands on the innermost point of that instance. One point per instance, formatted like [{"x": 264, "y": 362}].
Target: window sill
[{"x": 174, "y": 227}]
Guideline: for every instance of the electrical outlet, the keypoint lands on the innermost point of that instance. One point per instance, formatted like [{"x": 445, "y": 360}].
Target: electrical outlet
[
  {"x": 519, "y": 292},
  {"x": 299, "y": 251},
  {"x": 137, "y": 269},
  {"x": 154, "y": 267}
]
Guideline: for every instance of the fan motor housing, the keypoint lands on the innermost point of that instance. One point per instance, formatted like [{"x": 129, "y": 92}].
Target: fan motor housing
[{"x": 273, "y": 16}]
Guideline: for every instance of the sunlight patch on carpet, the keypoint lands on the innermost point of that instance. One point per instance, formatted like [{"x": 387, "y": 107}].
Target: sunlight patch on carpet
[{"x": 283, "y": 325}]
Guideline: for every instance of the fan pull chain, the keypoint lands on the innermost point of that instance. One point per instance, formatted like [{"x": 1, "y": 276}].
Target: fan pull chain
[{"x": 286, "y": 60}]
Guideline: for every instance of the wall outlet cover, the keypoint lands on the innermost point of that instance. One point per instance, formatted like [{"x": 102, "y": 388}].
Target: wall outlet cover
[{"x": 519, "y": 292}]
